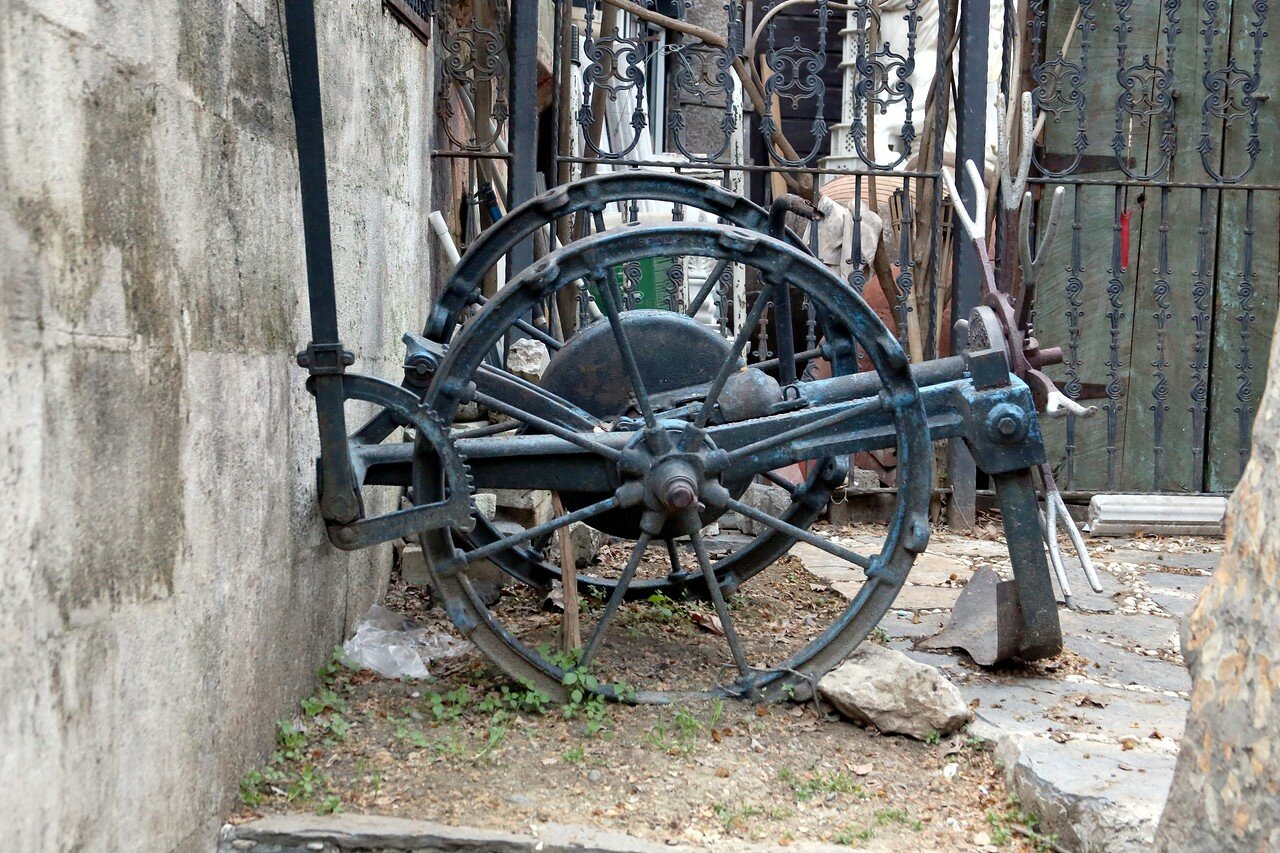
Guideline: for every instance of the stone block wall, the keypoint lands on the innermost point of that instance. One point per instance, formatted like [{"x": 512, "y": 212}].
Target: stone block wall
[{"x": 166, "y": 591}]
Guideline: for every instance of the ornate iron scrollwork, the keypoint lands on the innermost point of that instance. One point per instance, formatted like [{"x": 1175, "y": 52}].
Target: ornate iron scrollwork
[
  {"x": 795, "y": 74},
  {"x": 1060, "y": 82},
  {"x": 1231, "y": 92},
  {"x": 1244, "y": 408},
  {"x": 1163, "y": 315},
  {"x": 883, "y": 79},
  {"x": 1146, "y": 91},
  {"x": 615, "y": 64},
  {"x": 475, "y": 68},
  {"x": 703, "y": 76}
]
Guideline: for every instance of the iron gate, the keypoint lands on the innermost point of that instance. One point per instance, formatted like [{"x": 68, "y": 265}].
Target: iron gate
[{"x": 1155, "y": 117}]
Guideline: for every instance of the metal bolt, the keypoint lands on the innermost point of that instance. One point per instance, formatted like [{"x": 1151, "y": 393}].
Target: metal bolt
[
  {"x": 681, "y": 493},
  {"x": 1007, "y": 425}
]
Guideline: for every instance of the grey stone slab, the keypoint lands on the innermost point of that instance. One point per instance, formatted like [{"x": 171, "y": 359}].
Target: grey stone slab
[
  {"x": 985, "y": 549},
  {"x": 1094, "y": 797},
  {"x": 1148, "y": 631},
  {"x": 290, "y": 832},
  {"x": 944, "y": 662},
  {"x": 905, "y": 627},
  {"x": 912, "y": 597},
  {"x": 1203, "y": 562},
  {"x": 1083, "y": 596},
  {"x": 1039, "y": 706},
  {"x": 305, "y": 833},
  {"x": 1114, "y": 665},
  {"x": 1177, "y": 594}
]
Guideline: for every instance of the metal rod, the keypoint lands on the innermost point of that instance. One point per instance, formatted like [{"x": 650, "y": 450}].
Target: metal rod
[
  {"x": 620, "y": 163},
  {"x": 526, "y": 327},
  {"x": 616, "y": 597},
  {"x": 605, "y": 288},
  {"x": 693, "y": 523},
  {"x": 800, "y": 533},
  {"x": 547, "y": 426},
  {"x": 534, "y": 532},
  {"x": 523, "y": 129},
  {"x": 673, "y": 553},
  {"x": 491, "y": 429},
  {"x": 966, "y": 267},
  {"x": 339, "y": 500},
  {"x": 707, "y": 286},
  {"x": 804, "y": 429}
]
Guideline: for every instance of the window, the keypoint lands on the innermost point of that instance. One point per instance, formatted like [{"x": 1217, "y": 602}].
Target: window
[{"x": 414, "y": 14}]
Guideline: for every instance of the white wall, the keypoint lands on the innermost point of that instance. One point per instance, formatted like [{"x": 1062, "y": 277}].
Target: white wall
[{"x": 166, "y": 591}]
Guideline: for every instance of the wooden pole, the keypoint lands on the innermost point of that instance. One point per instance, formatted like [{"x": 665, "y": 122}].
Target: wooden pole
[{"x": 570, "y": 624}]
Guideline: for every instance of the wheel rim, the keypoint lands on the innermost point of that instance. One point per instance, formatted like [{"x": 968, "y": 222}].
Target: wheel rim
[
  {"x": 594, "y": 195},
  {"x": 907, "y": 531}
]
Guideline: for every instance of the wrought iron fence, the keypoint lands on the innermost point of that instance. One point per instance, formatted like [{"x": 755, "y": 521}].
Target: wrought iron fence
[{"x": 1155, "y": 117}]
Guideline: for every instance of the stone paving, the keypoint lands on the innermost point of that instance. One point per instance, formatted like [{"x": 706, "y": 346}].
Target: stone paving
[{"x": 1088, "y": 739}]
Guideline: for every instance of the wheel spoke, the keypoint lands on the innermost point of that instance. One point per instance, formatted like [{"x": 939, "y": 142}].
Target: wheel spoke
[
  {"x": 707, "y": 286},
  {"x": 491, "y": 429},
  {"x": 780, "y": 482},
  {"x": 526, "y": 327},
  {"x": 523, "y": 536},
  {"x": 785, "y": 335},
  {"x": 717, "y": 597},
  {"x": 605, "y": 288},
  {"x": 547, "y": 426},
  {"x": 726, "y": 368},
  {"x": 799, "y": 533},
  {"x": 615, "y": 599},
  {"x": 792, "y": 434}
]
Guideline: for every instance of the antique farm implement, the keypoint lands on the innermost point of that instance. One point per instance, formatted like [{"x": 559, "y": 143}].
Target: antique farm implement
[{"x": 650, "y": 426}]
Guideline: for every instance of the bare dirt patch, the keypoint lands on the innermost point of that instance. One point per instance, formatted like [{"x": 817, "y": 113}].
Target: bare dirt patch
[{"x": 472, "y": 748}]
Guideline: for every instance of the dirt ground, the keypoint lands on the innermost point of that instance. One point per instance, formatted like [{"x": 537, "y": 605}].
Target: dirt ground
[{"x": 471, "y": 748}]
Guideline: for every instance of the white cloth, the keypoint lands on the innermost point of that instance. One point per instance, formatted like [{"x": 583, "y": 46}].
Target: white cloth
[{"x": 835, "y": 235}]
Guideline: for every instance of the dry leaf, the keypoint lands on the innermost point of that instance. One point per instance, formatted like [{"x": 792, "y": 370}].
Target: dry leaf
[{"x": 708, "y": 622}]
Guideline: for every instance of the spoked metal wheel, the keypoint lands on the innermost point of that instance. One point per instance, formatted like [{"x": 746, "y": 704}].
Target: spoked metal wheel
[
  {"x": 587, "y": 373},
  {"x": 659, "y": 478}
]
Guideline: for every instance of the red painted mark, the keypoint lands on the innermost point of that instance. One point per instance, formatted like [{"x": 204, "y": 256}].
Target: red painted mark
[{"x": 1125, "y": 219}]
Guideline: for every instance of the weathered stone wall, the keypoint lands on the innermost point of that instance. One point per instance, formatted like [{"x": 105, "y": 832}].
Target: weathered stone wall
[{"x": 166, "y": 592}]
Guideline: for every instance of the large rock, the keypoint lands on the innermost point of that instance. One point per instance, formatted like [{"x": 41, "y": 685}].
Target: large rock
[
  {"x": 528, "y": 359},
  {"x": 884, "y": 688},
  {"x": 528, "y": 507},
  {"x": 586, "y": 541},
  {"x": 769, "y": 499},
  {"x": 1226, "y": 789}
]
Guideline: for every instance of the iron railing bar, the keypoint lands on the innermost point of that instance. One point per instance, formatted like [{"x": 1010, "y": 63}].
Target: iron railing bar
[{"x": 747, "y": 167}]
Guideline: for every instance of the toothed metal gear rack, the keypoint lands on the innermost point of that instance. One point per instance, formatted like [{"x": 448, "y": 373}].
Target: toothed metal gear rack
[{"x": 650, "y": 427}]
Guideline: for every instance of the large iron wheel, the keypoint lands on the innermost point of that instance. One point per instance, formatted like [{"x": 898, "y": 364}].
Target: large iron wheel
[
  {"x": 672, "y": 475},
  {"x": 590, "y": 198}
]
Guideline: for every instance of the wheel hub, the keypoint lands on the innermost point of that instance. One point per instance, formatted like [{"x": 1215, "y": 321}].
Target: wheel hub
[{"x": 671, "y": 474}]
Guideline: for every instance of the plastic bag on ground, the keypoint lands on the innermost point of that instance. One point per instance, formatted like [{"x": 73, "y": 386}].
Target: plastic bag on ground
[{"x": 393, "y": 645}]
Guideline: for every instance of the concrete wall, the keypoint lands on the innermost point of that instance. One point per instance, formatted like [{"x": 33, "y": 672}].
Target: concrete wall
[{"x": 166, "y": 592}]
